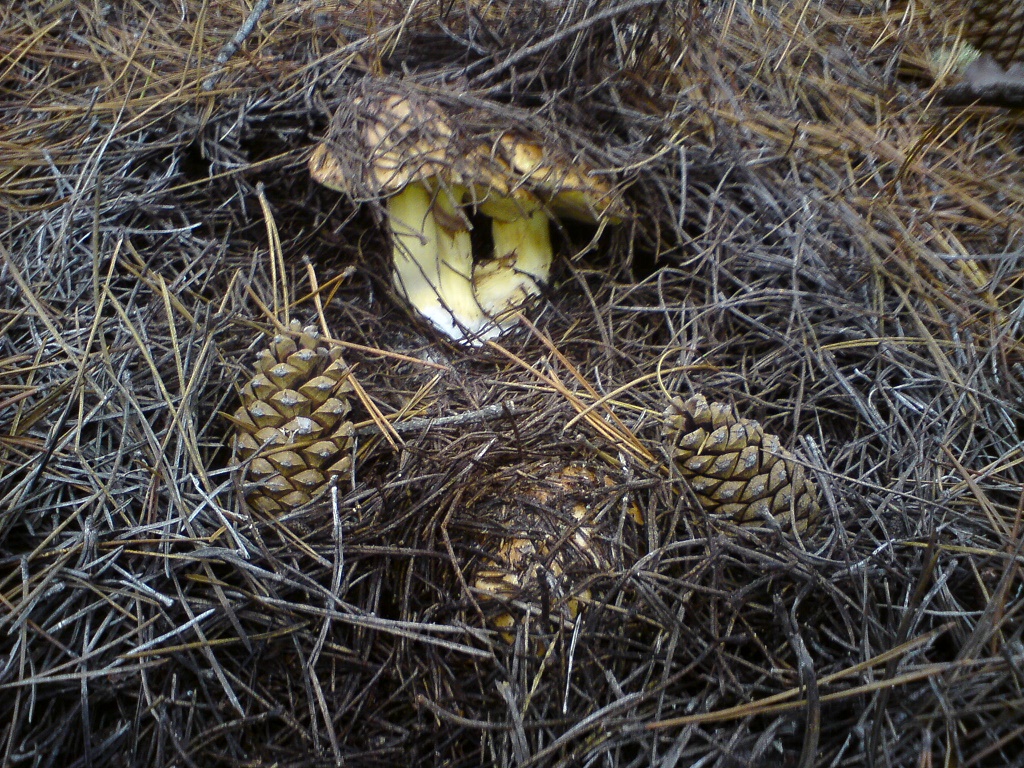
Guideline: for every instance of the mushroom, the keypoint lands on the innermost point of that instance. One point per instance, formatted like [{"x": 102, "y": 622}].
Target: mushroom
[
  {"x": 412, "y": 154},
  {"x": 404, "y": 146},
  {"x": 548, "y": 186},
  {"x": 521, "y": 261}
]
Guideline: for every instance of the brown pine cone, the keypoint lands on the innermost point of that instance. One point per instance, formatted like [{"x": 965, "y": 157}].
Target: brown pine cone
[
  {"x": 291, "y": 433},
  {"x": 996, "y": 27},
  {"x": 735, "y": 469}
]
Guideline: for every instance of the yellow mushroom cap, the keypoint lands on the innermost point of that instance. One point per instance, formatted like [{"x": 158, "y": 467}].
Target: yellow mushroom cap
[
  {"x": 379, "y": 145},
  {"x": 570, "y": 188},
  {"x": 399, "y": 142}
]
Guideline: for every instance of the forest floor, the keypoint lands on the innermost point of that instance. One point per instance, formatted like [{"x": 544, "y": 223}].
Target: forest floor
[{"x": 814, "y": 239}]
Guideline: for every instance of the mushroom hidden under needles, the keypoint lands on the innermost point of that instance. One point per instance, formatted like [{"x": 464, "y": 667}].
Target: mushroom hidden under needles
[{"x": 433, "y": 178}]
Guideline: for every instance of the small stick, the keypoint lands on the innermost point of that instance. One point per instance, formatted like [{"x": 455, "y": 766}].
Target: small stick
[
  {"x": 231, "y": 46},
  {"x": 1008, "y": 94},
  {"x": 497, "y": 410},
  {"x": 464, "y": 722}
]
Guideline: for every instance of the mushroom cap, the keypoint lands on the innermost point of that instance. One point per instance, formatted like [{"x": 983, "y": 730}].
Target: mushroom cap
[
  {"x": 569, "y": 188},
  {"x": 401, "y": 142},
  {"x": 381, "y": 145}
]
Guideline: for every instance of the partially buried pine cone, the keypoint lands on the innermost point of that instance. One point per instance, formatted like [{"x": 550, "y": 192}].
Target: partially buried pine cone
[
  {"x": 735, "y": 469},
  {"x": 292, "y": 435}
]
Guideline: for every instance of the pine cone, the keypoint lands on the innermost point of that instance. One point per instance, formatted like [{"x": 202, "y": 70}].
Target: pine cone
[
  {"x": 291, "y": 435},
  {"x": 997, "y": 27},
  {"x": 735, "y": 469},
  {"x": 550, "y": 548}
]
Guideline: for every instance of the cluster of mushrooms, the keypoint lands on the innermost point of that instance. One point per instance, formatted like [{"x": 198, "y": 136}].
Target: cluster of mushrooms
[{"x": 435, "y": 175}]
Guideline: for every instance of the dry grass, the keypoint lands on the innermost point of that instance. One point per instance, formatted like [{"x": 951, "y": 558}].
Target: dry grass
[{"x": 815, "y": 241}]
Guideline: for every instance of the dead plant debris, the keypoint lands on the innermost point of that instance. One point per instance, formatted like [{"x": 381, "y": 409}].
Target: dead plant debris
[{"x": 817, "y": 242}]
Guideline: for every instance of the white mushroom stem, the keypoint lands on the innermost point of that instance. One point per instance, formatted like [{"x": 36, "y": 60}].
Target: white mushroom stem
[
  {"x": 432, "y": 266},
  {"x": 521, "y": 263},
  {"x": 456, "y": 262}
]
